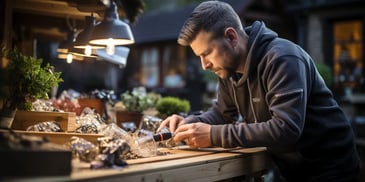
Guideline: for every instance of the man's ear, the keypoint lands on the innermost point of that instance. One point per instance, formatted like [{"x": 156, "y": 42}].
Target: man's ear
[{"x": 231, "y": 34}]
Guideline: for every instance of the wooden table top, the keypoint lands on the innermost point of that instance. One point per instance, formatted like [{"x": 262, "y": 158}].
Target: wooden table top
[{"x": 180, "y": 164}]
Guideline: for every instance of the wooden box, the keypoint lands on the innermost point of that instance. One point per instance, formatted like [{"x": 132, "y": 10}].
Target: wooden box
[
  {"x": 96, "y": 104},
  {"x": 125, "y": 116},
  {"x": 24, "y": 119},
  {"x": 61, "y": 138}
]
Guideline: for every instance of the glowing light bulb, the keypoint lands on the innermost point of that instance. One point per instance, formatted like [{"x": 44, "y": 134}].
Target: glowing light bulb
[
  {"x": 110, "y": 47},
  {"x": 69, "y": 58},
  {"x": 88, "y": 50}
]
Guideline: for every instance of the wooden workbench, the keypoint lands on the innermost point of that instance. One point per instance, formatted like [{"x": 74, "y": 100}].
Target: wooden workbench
[{"x": 181, "y": 164}]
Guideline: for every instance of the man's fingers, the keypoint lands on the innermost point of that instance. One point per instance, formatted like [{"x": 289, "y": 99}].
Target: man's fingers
[
  {"x": 163, "y": 124},
  {"x": 172, "y": 122},
  {"x": 182, "y": 133},
  {"x": 194, "y": 134}
]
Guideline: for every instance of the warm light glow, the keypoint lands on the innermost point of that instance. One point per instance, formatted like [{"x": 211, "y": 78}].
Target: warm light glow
[
  {"x": 110, "y": 47},
  {"x": 88, "y": 50},
  {"x": 62, "y": 50},
  {"x": 116, "y": 41},
  {"x": 69, "y": 58},
  {"x": 75, "y": 57}
]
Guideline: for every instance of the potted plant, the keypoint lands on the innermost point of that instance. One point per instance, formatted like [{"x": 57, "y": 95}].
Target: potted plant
[
  {"x": 135, "y": 103},
  {"x": 26, "y": 81},
  {"x": 167, "y": 106}
]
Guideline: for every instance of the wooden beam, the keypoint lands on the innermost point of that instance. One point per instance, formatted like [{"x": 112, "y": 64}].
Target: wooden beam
[{"x": 50, "y": 8}]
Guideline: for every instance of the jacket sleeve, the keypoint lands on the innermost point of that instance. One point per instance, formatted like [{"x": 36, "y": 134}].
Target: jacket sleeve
[{"x": 223, "y": 113}]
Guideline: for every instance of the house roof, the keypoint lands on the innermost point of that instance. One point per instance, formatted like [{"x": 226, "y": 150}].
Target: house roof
[{"x": 165, "y": 25}]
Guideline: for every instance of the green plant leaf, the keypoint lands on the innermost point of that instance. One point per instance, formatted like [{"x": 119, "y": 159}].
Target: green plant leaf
[{"x": 28, "y": 80}]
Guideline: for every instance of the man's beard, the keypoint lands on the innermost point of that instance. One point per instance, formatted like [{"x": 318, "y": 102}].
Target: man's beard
[
  {"x": 223, "y": 73},
  {"x": 231, "y": 69}
]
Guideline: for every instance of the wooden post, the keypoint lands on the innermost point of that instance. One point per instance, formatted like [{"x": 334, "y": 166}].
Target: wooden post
[{"x": 7, "y": 9}]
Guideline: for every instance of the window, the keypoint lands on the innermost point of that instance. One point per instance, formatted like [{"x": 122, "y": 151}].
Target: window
[
  {"x": 150, "y": 69},
  {"x": 162, "y": 67},
  {"x": 348, "y": 58},
  {"x": 173, "y": 68}
]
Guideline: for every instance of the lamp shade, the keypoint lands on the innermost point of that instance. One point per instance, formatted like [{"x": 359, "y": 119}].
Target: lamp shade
[
  {"x": 112, "y": 29},
  {"x": 120, "y": 56},
  {"x": 82, "y": 39},
  {"x": 81, "y": 45},
  {"x": 81, "y": 52}
]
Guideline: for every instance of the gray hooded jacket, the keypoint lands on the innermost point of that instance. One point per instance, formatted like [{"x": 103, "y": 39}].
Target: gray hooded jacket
[{"x": 284, "y": 105}]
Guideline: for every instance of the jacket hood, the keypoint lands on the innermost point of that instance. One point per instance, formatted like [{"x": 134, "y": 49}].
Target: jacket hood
[{"x": 259, "y": 37}]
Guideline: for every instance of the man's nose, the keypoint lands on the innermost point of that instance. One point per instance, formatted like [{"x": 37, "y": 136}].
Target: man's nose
[{"x": 205, "y": 63}]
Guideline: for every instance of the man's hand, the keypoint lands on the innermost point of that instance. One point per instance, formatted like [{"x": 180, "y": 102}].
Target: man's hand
[
  {"x": 195, "y": 134},
  {"x": 172, "y": 122}
]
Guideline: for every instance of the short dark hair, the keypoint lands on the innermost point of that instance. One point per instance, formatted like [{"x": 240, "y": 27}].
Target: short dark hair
[{"x": 209, "y": 16}]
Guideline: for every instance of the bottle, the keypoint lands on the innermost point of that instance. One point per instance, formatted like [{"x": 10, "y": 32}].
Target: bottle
[{"x": 155, "y": 137}]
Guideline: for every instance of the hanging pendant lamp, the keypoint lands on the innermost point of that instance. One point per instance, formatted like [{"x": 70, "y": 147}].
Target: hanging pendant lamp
[
  {"x": 66, "y": 44},
  {"x": 111, "y": 31},
  {"x": 82, "y": 40}
]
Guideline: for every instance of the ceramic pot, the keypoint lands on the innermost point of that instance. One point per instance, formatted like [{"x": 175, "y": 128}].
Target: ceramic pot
[{"x": 125, "y": 116}]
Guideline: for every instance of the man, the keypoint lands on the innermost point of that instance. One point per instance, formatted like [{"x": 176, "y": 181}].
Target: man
[{"x": 273, "y": 86}]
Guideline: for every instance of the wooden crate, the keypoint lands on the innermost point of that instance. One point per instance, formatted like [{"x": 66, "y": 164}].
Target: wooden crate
[
  {"x": 125, "y": 116},
  {"x": 96, "y": 104},
  {"x": 24, "y": 119},
  {"x": 59, "y": 137}
]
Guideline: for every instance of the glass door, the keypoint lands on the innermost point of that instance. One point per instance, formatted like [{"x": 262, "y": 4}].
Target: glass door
[{"x": 348, "y": 57}]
